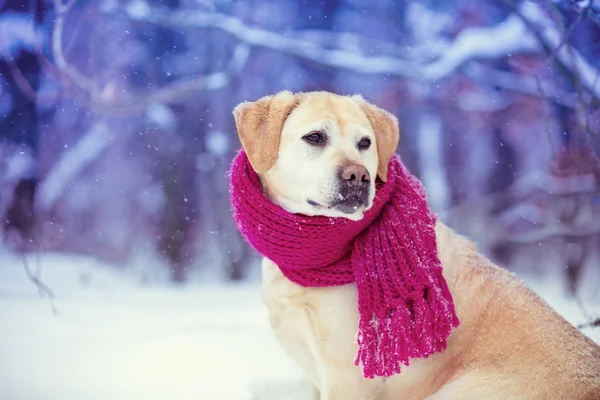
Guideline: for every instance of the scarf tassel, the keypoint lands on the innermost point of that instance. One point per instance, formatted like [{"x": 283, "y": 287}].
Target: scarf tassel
[{"x": 416, "y": 328}]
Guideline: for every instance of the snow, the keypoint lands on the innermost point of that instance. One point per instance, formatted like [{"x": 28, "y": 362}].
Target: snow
[
  {"x": 430, "y": 143},
  {"x": 18, "y": 32},
  {"x": 138, "y": 9},
  {"x": 113, "y": 338},
  {"x": 18, "y": 165},
  {"x": 510, "y": 36}
]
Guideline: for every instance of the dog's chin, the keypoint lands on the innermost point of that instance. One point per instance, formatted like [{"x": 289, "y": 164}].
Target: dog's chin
[
  {"x": 352, "y": 209},
  {"x": 354, "y": 216},
  {"x": 351, "y": 206},
  {"x": 311, "y": 208}
]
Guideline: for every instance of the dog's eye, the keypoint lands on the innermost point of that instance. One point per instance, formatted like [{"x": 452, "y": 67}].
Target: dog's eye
[
  {"x": 364, "y": 143},
  {"x": 314, "y": 138}
]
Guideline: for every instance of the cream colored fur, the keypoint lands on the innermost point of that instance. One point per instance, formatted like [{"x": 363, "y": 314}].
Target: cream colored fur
[{"x": 510, "y": 344}]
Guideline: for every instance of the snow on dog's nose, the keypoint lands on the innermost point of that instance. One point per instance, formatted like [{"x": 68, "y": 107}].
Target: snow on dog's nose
[{"x": 353, "y": 189}]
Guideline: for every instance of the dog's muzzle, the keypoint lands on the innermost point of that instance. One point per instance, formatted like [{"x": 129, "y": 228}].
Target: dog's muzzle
[{"x": 354, "y": 185}]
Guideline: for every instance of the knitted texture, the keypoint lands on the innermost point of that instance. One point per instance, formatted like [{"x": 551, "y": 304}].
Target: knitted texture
[{"x": 405, "y": 307}]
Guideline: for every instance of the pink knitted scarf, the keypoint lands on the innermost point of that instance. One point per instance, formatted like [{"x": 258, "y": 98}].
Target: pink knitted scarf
[{"x": 405, "y": 307}]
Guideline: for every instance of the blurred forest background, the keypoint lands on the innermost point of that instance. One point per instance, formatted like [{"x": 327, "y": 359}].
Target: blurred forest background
[{"x": 116, "y": 127}]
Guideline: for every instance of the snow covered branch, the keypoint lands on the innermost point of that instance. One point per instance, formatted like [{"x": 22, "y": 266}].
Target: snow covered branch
[
  {"x": 181, "y": 88},
  {"x": 512, "y": 36},
  {"x": 527, "y": 30},
  {"x": 550, "y": 35},
  {"x": 61, "y": 10},
  {"x": 509, "y": 37},
  {"x": 554, "y": 232},
  {"x": 286, "y": 43},
  {"x": 18, "y": 32},
  {"x": 101, "y": 99},
  {"x": 70, "y": 165},
  {"x": 536, "y": 180},
  {"x": 522, "y": 84}
]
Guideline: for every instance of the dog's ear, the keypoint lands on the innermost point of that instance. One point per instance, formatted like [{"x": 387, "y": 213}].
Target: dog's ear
[
  {"x": 387, "y": 133},
  {"x": 259, "y": 124}
]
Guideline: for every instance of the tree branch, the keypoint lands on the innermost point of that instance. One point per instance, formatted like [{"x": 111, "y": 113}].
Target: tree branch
[
  {"x": 549, "y": 36},
  {"x": 103, "y": 102},
  {"x": 519, "y": 33},
  {"x": 61, "y": 10},
  {"x": 180, "y": 89},
  {"x": 73, "y": 161},
  {"x": 552, "y": 232},
  {"x": 43, "y": 289},
  {"x": 510, "y": 36},
  {"x": 595, "y": 323},
  {"x": 286, "y": 43},
  {"x": 522, "y": 84}
]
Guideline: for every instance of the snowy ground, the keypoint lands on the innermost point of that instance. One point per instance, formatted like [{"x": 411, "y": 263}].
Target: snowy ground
[{"x": 114, "y": 339}]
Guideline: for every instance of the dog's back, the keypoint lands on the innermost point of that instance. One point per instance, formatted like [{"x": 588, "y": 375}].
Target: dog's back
[{"x": 510, "y": 340}]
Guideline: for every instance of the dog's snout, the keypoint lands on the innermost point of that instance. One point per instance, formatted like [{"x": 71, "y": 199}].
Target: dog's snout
[
  {"x": 353, "y": 190},
  {"x": 354, "y": 175}
]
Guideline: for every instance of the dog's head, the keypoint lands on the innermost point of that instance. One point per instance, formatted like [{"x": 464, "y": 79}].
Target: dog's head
[{"x": 318, "y": 153}]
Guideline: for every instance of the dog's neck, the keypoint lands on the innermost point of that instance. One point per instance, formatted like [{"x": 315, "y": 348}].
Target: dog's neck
[{"x": 267, "y": 188}]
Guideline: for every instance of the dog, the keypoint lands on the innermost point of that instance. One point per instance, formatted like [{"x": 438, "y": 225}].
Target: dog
[{"x": 510, "y": 344}]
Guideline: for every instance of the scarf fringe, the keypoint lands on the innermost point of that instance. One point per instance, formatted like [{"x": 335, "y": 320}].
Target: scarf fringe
[{"x": 417, "y": 329}]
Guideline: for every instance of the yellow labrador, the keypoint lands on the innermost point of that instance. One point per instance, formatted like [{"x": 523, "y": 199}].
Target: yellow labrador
[{"x": 510, "y": 344}]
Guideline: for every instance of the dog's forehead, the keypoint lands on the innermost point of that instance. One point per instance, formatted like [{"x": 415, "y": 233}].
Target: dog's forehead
[{"x": 342, "y": 110}]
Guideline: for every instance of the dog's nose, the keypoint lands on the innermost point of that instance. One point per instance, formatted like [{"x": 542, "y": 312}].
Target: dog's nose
[{"x": 355, "y": 175}]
